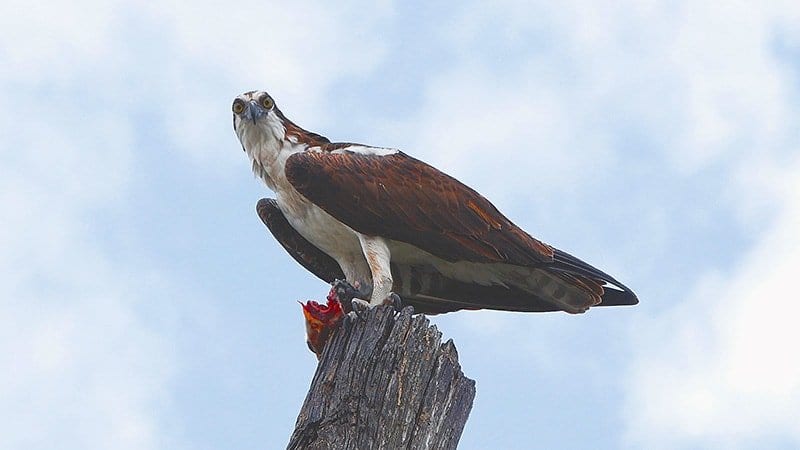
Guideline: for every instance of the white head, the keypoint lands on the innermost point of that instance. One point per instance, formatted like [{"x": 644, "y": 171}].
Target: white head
[
  {"x": 261, "y": 129},
  {"x": 265, "y": 132},
  {"x": 256, "y": 119}
]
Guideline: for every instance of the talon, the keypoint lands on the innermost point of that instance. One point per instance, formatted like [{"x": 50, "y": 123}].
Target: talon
[
  {"x": 345, "y": 292},
  {"x": 394, "y": 301},
  {"x": 360, "y": 307}
]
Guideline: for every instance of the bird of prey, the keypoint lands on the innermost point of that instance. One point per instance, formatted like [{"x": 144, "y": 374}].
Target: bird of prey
[{"x": 387, "y": 222}]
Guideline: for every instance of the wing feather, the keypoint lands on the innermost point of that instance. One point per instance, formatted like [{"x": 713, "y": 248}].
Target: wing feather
[
  {"x": 307, "y": 254},
  {"x": 431, "y": 292},
  {"x": 615, "y": 294},
  {"x": 404, "y": 199}
]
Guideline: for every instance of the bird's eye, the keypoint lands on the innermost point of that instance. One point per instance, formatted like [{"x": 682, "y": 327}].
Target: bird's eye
[
  {"x": 267, "y": 102},
  {"x": 238, "y": 106}
]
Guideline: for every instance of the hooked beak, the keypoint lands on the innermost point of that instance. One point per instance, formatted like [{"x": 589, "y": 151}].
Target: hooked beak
[{"x": 253, "y": 112}]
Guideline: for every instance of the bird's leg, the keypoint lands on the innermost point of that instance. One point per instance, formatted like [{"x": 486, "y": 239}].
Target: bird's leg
[{"x": 378, "y": 258}]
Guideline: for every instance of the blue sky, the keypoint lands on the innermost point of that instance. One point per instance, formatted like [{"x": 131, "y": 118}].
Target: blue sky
[{"x": 144, "y": 306}]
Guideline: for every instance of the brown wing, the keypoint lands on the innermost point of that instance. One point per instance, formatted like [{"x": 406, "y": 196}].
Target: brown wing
[
  {"x": 429, "y": 291},
  {"x": 404, "y": 199},
  {"x": 307, "y": 254}
]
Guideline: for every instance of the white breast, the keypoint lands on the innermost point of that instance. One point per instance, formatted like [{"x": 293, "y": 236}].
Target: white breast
[
  {"x": 319, "y": 227},
  {"x": 268, "y": 150},
  {"x": 313, "y": 223}
]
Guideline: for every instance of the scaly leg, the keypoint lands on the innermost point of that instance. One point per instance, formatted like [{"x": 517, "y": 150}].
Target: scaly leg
[{"x": 378, "y": 257}]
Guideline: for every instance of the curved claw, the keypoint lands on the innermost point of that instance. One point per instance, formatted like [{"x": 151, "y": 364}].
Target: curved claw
[
  {"x": 360, "y": 307},
  {"x": 394, "y": 301},
  {"x": 346, "y": 292}
]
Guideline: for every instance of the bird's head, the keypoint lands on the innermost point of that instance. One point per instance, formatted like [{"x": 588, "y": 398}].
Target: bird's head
[
  {"x": 261, "y": 129},
  {"x": 265, "y": 132},
  {"x": 255, "y": 116}
]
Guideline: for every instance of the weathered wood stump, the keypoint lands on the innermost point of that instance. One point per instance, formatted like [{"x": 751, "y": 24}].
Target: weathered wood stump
[{"x": 385, "y": 380}]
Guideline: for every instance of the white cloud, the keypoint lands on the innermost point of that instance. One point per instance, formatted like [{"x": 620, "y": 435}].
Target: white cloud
[
  {"x": 736, "y": 87},
  {"x": 81, "y": 369},
  {"x": 700, "y": 81},
  {"x": 722, "y": 366},
  {"x": 49, "y": 40},
  {"x": 192, "y": 58},
  {"x": 469, "y": 114}
]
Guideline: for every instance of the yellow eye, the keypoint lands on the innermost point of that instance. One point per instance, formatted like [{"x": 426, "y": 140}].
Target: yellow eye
[
  {"x": 267, "y": 102},
  {"x": 238, "y": 106}
]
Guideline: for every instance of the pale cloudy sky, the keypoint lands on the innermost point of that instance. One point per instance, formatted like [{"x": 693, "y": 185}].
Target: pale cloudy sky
[{"x": 144, "y": 306}]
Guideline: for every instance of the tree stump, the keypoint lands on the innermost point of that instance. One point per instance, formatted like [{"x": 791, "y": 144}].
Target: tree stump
[{"x": 385, "y": 380}]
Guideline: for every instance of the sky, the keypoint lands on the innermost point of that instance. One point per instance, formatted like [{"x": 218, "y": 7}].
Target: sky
[{"x": 144, "y": 306}]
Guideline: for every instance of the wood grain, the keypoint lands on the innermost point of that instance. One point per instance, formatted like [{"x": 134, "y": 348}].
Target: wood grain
[{"x": 385, "y": 381}]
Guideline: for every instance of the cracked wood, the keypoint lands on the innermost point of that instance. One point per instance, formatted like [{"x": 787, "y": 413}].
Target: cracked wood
[{"x": 385, "y": 381}]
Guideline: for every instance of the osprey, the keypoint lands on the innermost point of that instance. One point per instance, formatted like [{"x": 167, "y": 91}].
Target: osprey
[{"x": 387, "y": 222}]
